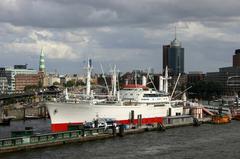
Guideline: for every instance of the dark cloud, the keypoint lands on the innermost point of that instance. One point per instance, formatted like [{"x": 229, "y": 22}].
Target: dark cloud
[
  {"x": 127, "y": 33},
  {"x": 92, "y": 13}
]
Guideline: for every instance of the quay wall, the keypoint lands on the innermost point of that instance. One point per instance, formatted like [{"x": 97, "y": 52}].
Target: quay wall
[
  {"x": 20, "y": 113},
  {"x": 53, "y": 139}
]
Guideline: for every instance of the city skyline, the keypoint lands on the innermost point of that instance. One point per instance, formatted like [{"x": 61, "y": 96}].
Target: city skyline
[{"x": 128, "y": 34}]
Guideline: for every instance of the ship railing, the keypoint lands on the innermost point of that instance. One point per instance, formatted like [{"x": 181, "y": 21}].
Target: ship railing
[
  {"x": 106, "y": 102},
  {"x": 48, "y": 138}
]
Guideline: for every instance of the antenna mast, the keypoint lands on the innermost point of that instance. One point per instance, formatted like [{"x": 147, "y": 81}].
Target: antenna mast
[{"x": 175, "y": 33}]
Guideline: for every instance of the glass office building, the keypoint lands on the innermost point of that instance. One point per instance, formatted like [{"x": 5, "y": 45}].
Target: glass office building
[{"x": 173, "y": 57}]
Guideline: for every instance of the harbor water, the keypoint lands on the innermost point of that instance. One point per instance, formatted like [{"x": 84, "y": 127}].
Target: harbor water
[
  {"x": 205, "y": 141},
  {"x": 40, "y": 126}
]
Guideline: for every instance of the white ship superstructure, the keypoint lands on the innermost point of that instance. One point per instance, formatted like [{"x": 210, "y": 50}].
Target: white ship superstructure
[{"x": 135, "y": 101}]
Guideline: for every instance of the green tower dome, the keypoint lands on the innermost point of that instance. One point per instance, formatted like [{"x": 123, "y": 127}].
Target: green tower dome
[{"x": 42, "y": 62}]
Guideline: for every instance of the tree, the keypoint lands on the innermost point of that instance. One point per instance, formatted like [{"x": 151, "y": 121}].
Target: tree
[
  {"x": 80, "y": 83},
  {"x": 70, "y": 83},
  {"x": 30, "y": 88},
  {"x": 206, "y": 90},
  {"x": 56, "y": 83}
]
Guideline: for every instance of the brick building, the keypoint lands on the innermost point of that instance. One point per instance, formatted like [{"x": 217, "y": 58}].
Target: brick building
[
  {"x": 23, "y": 80},
  {"x": 195, "y": 76}
]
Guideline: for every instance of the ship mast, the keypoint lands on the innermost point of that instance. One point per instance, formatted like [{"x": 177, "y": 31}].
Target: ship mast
[
  {"x": 89, "y": 69},
  {"x": 66, "y": 94},
  {"x": 165, "y": 79},
  {"x": 104, "y": 77},
  {"x": 161, "y": 83},
  {"x": 114, "y": 82}
]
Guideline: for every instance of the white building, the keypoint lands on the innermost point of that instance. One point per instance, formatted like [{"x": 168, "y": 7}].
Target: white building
[
  {"x": 10, "y": 74},
  {"x": 74, "y": 77},
  {"x": 3, "y": 85},
  {"x": 52, "y": 78}
]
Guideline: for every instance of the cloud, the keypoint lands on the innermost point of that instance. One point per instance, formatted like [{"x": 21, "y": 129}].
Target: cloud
[
  {"x": 129, "y": 33},
  {"x": 52, "y": 50},
  {"x": 89, "y": 13},
  {"x": 29, "y": 41}
]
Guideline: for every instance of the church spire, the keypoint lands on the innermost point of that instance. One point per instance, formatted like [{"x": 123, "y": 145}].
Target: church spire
[{"x": 42, "y": 62}]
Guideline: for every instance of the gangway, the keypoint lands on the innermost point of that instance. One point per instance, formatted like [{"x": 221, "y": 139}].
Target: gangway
[{"x": 207, "y": 111}]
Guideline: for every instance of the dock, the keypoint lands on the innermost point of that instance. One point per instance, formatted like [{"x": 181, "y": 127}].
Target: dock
[
  {"x": 51, "y": 139},
  {"x": 33, "y": 141}
]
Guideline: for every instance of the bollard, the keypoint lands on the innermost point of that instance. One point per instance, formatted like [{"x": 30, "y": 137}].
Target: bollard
[
  {"x": 83, "y": 132},
  {"x": 96, "y": 123},
  {"x": 140, "y": 116},
  {"x": 44, "y": 112},
  {"x": 160, "y": 127},
  {"x": 139, "y": 120},
  {"x": 121, "y": 130},
  {"x": 196, "y": 122},
  {"x": 132, "y": 117},
  {"x": 113, "y": 130}
]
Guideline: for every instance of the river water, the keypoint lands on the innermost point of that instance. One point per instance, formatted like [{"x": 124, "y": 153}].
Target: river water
[{"x": 205, "y": 141}]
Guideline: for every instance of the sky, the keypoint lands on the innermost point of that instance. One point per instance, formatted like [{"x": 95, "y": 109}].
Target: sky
[{"x": 128, "y": 33}]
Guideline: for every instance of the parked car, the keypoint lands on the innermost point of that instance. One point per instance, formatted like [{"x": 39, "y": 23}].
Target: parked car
[
  {"x": 88, "y": 125},
  {"x": 106, "y": 122}
]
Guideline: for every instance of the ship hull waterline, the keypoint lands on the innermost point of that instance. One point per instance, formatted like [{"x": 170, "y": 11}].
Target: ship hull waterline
[{"x": 64, "y": 114}]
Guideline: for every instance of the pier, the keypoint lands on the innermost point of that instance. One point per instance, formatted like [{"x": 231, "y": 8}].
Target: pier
[
  {"x": 25, "y": 140},
  {"x": 51, "y": 139}
]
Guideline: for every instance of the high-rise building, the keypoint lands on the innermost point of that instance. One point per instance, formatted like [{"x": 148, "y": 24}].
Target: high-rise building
[
  {"x": 236, "y": 58},
  {"x": 173, "y": 57},
  {"x": 2, "y": 72},
  {"x": 42, "y": 67},
  {"x": 229, "y": 77},
  {"x": 165, "y": 55}
]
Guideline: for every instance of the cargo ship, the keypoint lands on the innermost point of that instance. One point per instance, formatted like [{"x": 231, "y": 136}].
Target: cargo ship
[{"x": 131, "y": 102}]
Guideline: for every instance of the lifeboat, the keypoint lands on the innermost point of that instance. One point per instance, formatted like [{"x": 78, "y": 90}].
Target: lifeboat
[{"x": 221, "y": 119}]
